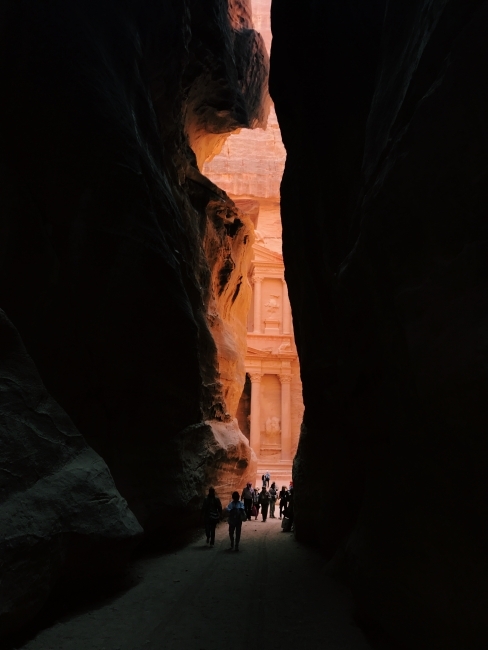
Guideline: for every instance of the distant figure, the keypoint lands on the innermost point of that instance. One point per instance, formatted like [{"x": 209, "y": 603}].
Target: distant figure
[
  {"x": 246, "y": 496},
  {"x": 264, "y": 502},
  {"x": 289, "y": 507},
  {"x": 256, "y": 504},
  {"x": 283, "y": 499},
  {"x": 265, "y": 477},
  {"x": 273, "y": 495},
  {"x": 236, "y": 516},
  {"x": 211, "y": 512}
]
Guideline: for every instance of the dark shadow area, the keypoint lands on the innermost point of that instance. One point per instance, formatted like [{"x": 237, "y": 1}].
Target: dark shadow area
[
  {"x": 244, "y": 409},
  {"x": 72, "y": 597},
  {"x": 377, "y": 637}
]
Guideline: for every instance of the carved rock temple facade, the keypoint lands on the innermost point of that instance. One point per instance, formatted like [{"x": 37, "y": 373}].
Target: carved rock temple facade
[
  {"x": 249, "y": 168},
  {"x": 275, "y": 410}
]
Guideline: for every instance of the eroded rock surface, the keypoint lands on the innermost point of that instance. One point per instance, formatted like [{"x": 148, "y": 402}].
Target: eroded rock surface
[
  {"x": 384, "y": 236},
  {"x": 123, "y": 268},
  {"x": 251, "y": 162},
  {"x": 56, "y": 493}
]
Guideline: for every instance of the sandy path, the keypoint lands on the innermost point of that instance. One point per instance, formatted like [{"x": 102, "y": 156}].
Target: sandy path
[{"x": 270, "y": 594}]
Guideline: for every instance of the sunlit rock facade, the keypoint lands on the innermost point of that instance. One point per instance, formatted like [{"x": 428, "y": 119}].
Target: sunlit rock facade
[{"x": 249, "y": 168}]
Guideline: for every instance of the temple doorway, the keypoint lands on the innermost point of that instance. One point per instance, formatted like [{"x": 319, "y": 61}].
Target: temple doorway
[{"x": 243, "y": 414}]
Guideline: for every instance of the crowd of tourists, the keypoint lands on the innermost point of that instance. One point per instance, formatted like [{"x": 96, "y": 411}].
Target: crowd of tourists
[{"x": 247, "y": 505}]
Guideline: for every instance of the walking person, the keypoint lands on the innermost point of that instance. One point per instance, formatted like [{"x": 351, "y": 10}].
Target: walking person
[
  {"x": 264, "y": 502},
  {"x": 256, "y": 504},
  {"x": 273, "y": 495},
  {"x": 283, "y": 499},
  {"x": 237, "y": 515},
  {"x": 211, "y": 512},
  {"x": 247, "y": 497}
]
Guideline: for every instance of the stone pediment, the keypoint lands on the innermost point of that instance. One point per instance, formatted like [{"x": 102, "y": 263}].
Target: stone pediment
[
  {"x": 257, "y": 353},
  {"x": 263, "y": 255},
  {"x": 283, "y": 351}
]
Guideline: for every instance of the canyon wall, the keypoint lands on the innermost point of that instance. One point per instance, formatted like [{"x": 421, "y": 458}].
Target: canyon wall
[
  {"x": 60, "y": 513},
  {"x": 122, "y": 267},
  {"x": 382, "y": 110}
]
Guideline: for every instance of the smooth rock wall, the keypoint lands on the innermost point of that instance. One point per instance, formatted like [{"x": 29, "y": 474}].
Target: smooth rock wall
[{"x": 384, "y": 235}]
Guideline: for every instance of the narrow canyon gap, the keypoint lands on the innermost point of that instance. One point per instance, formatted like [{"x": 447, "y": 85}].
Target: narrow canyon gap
[
  {"x": 124, "y": 270},
  {"x": 249, "y": 168}
]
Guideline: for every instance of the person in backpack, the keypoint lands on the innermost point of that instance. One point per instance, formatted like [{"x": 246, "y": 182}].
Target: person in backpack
[
  {"x": 237, "y": 515},
  {"x": 211, "y": 512},
  {"x": 264, "y": 502},
  {"x": 247, "y": 496},
  {"x": 273, "y": 495}
]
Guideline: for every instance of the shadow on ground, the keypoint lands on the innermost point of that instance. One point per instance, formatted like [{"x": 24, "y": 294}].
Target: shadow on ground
[{"x": 71, "y": 597}]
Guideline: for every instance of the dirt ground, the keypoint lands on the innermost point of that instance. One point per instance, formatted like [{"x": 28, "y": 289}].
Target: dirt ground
[{"x": 272, "y": 594}]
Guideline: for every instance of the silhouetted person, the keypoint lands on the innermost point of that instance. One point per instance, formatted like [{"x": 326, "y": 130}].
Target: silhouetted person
[
  {"x": 211, "y": 511},
  {"x": 265, "y": 478},
  {"x": 256, "y": 504},
  {"x": 246, "y": 496},
  {"x": 236, "y": 516},
  {"x": 273, "y": 495},
  {"x": 264, "y": 501},
  {"x": 289, "y": 506},
  {"x": 283, "y": 499}
]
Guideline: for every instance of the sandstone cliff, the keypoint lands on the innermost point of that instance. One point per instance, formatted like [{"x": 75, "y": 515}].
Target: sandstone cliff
[
  {"x": 251, "y": 162},
  {"x": 384, "y": 233},
  {"x": 123, "y": 268}
]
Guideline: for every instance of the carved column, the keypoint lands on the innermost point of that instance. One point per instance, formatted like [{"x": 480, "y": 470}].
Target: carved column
[
  {"x": 285, "y": 417},
  {"x": 255, "y": 438},
  {"x": 286, "y": 310},
  {"x": 257, "y": 305}
]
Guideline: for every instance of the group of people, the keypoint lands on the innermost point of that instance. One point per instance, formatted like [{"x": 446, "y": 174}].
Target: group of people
[
  {"x": 266, "y": 500},
  {"x": 245, "y": 507}
]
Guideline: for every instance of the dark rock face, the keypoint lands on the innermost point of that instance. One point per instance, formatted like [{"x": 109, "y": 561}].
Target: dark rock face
[
  {"x": 104, "y": 213},
  {"x": 57, "y": 494},
  {"x": 385, "y": 230}
]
